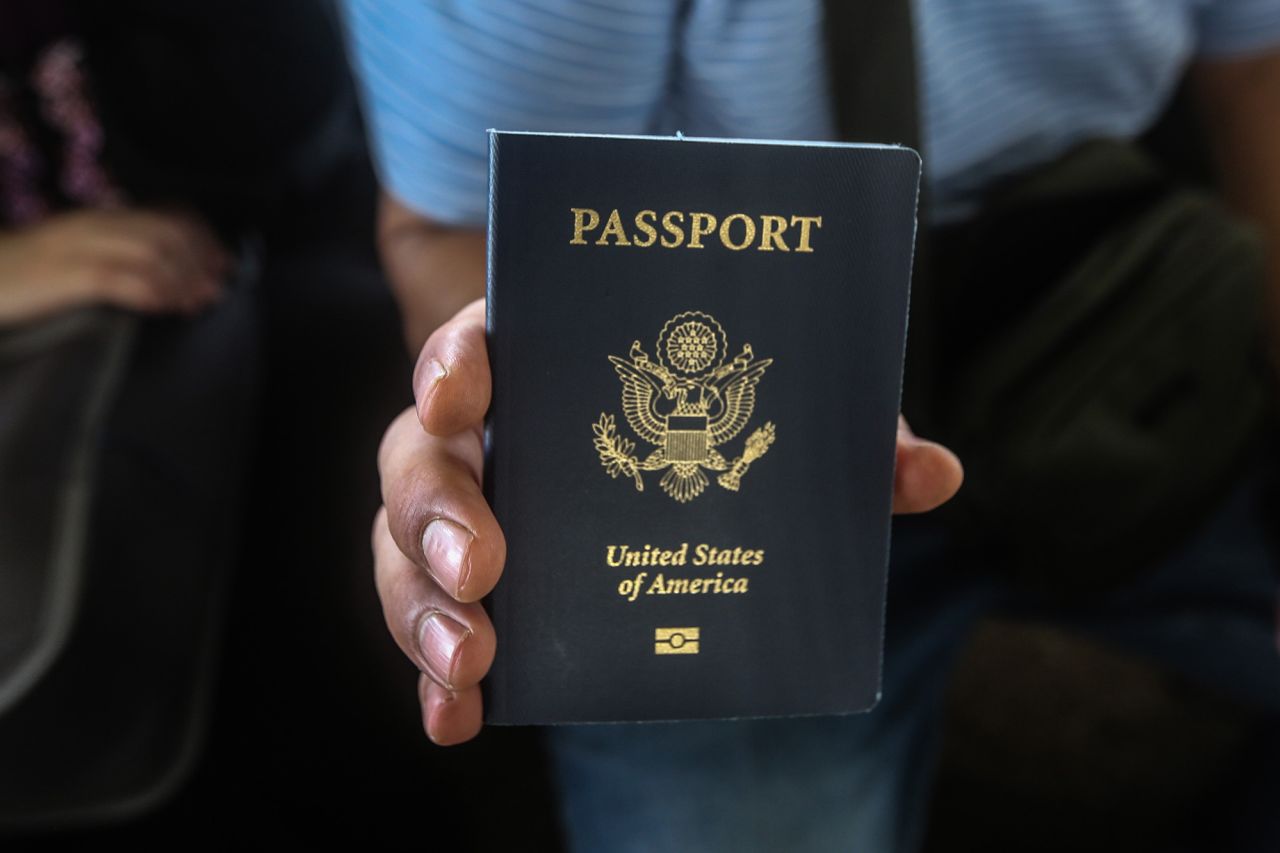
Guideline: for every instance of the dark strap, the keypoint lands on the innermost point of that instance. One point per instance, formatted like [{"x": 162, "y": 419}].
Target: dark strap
[
  {"x": 871, "y": 59},
  {"x": 873, "y": 72}
]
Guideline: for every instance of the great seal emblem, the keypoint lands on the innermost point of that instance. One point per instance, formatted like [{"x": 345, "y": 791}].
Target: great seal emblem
[{"x": 686, "y": 402}]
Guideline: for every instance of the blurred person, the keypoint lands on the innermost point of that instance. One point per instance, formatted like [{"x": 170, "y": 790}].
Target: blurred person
[
  {"x": 69, "y": 236},
  {"x": 143, "y": 145},
  {"x": 1005, "y": 87}
]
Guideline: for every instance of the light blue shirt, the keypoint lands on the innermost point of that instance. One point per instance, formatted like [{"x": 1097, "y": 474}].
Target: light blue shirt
[{"x": 1005, "y": 84}]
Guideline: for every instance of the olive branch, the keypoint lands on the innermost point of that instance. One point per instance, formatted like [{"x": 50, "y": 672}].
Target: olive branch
[{"x": 615, "y": 451}]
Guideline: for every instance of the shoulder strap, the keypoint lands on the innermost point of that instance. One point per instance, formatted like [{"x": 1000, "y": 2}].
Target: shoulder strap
[
  {"x": 871, "y": 60},
  {"x": 872, "y": 67}
]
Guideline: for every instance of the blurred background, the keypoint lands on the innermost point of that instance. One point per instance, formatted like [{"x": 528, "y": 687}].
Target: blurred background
[{"x": 199, "y": 653}]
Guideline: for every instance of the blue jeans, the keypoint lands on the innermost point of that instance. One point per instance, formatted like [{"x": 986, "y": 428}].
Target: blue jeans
[{"x": 861, "y": 782}]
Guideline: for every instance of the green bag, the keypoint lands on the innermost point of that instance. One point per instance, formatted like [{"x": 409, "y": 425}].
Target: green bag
[{"x": 1115, "y": 381}]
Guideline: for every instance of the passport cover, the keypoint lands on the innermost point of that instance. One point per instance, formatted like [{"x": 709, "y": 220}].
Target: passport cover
[{"x": 697, "y": 349}]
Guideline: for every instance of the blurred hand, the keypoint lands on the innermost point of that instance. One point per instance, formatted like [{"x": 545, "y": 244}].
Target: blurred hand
[
  {"x": 438, "y": 549},
  {"x": 149, "y": 261}
]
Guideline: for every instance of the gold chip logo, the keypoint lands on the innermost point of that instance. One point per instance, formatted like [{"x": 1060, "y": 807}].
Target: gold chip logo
[{"x": 675, "y": 641}]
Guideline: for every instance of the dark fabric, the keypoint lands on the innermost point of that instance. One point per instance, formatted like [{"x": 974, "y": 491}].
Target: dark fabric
[
  {"x": 1100, "y": 371},
  {"x": 56, "y": 380},
  {"x": 873, "y": 69},
  {"x": 245, "y": 115},
  {"x": 27, "y": 28},
  {"x": 227, "y": 107},
  {"x": 114, "y": 721}
]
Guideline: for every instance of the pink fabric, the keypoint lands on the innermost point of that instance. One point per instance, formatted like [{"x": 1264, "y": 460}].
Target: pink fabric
[{"x": 59, "y": 84}]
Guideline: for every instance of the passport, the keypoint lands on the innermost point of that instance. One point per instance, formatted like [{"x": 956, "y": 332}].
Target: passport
[{"x": 697, "y": 350}]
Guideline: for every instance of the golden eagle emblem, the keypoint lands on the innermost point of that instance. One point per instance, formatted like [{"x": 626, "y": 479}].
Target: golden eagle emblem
[{"x": 686, "y": 402}]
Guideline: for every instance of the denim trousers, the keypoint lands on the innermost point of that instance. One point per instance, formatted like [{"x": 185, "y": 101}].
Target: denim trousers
[{"x": 862, "y": 782}]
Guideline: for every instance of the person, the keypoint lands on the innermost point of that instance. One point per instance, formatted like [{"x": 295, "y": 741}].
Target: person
[
  {"x": 141, "y": 147},
  {"x": 69, "y": 236},
  {"x": 1004, "y": 87}
]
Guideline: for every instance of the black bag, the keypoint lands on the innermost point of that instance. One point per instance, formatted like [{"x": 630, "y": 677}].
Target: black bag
[
  {"x": 123, "y": 448},
  {"x": 1107, "y": 379}
]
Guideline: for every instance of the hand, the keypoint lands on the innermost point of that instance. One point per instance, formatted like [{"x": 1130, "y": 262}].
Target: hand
[
  {"x": 140, "y": 260},
  {"x": 438, "y": 549}
]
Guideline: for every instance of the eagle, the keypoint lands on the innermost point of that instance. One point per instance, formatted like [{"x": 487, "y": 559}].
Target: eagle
[{"x": 686, "y": 418}]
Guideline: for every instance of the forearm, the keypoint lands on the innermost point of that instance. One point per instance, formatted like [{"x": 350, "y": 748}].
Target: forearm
[{"x": 434, "y": 269}]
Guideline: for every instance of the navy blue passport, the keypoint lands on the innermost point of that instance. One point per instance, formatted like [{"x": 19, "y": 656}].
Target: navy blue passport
[{"x": 697, "y": 351}]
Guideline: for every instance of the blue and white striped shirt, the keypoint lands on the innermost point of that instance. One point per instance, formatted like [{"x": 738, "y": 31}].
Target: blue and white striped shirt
[{"x": 1005, "y": 84}]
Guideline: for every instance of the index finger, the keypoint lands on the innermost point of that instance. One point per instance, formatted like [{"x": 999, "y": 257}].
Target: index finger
[{"x": 451, "y": 382}]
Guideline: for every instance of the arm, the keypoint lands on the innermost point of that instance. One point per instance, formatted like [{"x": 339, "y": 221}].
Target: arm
[
  {"x": 149, "y": 261},
  {"x": 1240, "y": 102},
  {"x": 429, "y": 147},
  {"x": 437, "y": 547},
  {"x": 434, "y": 269}
]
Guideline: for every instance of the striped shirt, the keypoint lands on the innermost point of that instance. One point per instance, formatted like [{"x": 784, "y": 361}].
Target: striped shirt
[{"x": 1005, "y": 84}]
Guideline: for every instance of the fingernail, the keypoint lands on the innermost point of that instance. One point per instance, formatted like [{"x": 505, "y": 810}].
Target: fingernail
[
  {"x": 440, "y": 641},
  {"x": 445, "y": 545},
  {"x": 427, "y": 375},
  {"x": 435, "y": 372}
]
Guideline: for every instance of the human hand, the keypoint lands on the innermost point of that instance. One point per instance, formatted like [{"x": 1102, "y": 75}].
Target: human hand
[
  {"x": 150, "y": 261},
  {"x": 438, "y": 549}
]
